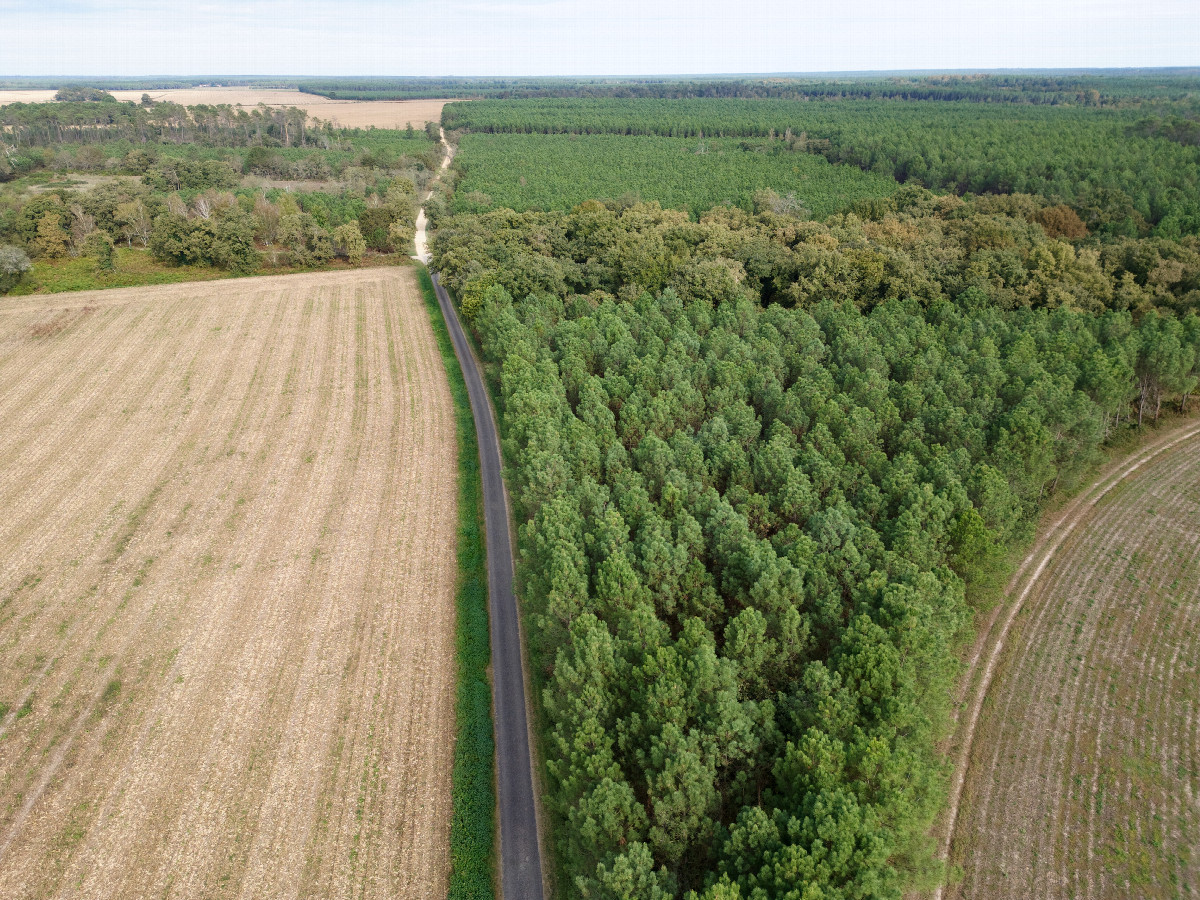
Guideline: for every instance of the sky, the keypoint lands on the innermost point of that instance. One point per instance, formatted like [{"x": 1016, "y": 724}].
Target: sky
[{"x": 602, "y": 37}]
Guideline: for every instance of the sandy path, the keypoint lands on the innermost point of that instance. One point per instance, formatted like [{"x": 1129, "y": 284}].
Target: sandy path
[
  {"x": 226, "y": 591},
  {"x": 1088, "y": 744},
  {"x": 421, "y": 241},
  {"x": 347, "y": 113}
]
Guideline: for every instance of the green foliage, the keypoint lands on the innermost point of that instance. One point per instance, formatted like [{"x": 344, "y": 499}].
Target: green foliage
[
  {"x": 76, "y": 94},
  {"x": 99, "y": 246},
  {"x": 472, "y": 826},
  {"x": 190, "y": 175},
  {"x": 756, "y": 462},
  {"x": 350, "y": 243},
  {"x": 560, "y": 171},
  {"x": 224, "y": 240}
]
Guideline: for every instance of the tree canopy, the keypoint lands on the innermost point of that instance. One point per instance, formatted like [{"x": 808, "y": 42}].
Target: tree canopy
[{"x": 757, "y": 464}]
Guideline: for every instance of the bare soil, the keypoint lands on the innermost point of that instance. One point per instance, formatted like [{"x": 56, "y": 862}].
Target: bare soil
[
  {"x": 347, "y": 113},
  {"x": 227, "y": 567},
  {"x": 1082, "y": 747}
]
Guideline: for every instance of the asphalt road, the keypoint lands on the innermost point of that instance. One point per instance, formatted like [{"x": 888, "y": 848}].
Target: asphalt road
[{"x": 520, "y": 858}]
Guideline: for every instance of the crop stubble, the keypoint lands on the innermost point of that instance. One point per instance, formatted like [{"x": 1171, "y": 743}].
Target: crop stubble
[
  {"x": 226, "y": 591},
  {"x": 1085, "y": 769},
  {"x": 344, "y": 113}
]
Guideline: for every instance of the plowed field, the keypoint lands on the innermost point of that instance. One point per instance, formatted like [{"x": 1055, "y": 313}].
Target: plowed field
[
  {"x": 226, "y": 591},
  {"x": 1084, "y": 776}
]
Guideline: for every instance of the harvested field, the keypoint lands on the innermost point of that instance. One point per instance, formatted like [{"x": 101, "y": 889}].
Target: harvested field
[
  {"x": 1084, "y": 775},
  {"x": 347, "y": 113},
  {"x": 227, "y": 569}
]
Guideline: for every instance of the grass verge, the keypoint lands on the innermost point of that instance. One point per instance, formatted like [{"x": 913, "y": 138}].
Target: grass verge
[{"x": 472, "y": 824}]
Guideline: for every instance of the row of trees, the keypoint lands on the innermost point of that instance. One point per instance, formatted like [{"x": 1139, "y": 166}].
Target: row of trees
[
  {"x": 45, "y": 124},
  {"x": 191, "y": 171},
  {"x": 757, "y": 463},
  {"x": 1087, "y": 90}
]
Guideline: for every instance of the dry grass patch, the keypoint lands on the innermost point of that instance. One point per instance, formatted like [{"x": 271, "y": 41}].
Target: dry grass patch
[{"x": 227, "y": 569}]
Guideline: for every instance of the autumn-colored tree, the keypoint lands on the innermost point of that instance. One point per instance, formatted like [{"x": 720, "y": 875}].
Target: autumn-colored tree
[
  {"x": 1061, "y": 221},
  {"x": 51, "y": 238}
]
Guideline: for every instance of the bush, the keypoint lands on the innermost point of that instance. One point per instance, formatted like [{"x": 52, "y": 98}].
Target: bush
[
  {"x": 350, "y": 242},
  {"x": 14, "y": 263},
  {"x": 188, "y": 175},
  {"x": 375, "y": 221}
]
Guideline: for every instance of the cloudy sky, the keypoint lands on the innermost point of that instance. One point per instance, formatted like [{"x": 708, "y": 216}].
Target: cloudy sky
[{"x": 602, "y": 37}]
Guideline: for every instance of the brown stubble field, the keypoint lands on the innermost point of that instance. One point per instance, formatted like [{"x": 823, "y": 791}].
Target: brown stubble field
[
  {"x": 345, "y": 113},
  {"x": 227, "y": 569},
  {"x": 1084, "y": 776}
]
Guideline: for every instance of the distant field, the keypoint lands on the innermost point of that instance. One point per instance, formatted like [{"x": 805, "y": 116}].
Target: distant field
[
  {"x": 346, "y": 113},
  {"x": 558, "y": 171},
  {"x": 1085, "y": 771},
  {"x": 227, "y": 571}
]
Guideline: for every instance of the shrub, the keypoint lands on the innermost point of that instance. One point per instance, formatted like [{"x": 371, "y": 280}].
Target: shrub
[{"x": 350, "y": 242}]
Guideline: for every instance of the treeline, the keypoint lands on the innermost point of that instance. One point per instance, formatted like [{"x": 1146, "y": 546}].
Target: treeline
[
  {"x": 1119, "y": 180},
  {"x": 1093, "y": 89},
  {"x": 757, "y": 464},
  {"x": 56, "y": 83},
  {"x": 221, "y": 152},
  {"x": 84, "y": 94},
  {"x": 45, "y": 124}
]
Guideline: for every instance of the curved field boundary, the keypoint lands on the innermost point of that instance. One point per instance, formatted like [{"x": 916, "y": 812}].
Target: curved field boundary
[
  {"x": 520, "y": 854},
  {"x": 987, "y": 651}
]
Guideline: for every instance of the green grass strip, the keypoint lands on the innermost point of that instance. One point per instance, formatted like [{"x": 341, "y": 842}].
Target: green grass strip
[{"x": 472, "y": 825}]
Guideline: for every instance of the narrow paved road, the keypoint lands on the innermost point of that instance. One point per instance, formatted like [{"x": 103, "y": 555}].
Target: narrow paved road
[{"x": 520, "y": 858}]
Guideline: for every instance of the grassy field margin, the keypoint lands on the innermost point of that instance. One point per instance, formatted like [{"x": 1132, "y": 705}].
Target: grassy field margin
[{"x": 472, "y": 825}]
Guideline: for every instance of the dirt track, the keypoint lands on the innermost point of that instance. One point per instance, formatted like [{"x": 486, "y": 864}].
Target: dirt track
[
  {"x": 1085, "y": 766},
  {"x": 347, "y": 113},
  {"x": 226, "y": 591}
]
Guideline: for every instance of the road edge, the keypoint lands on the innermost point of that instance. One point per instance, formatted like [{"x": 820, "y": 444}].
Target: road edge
[{"x": 521, "y": 870}]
